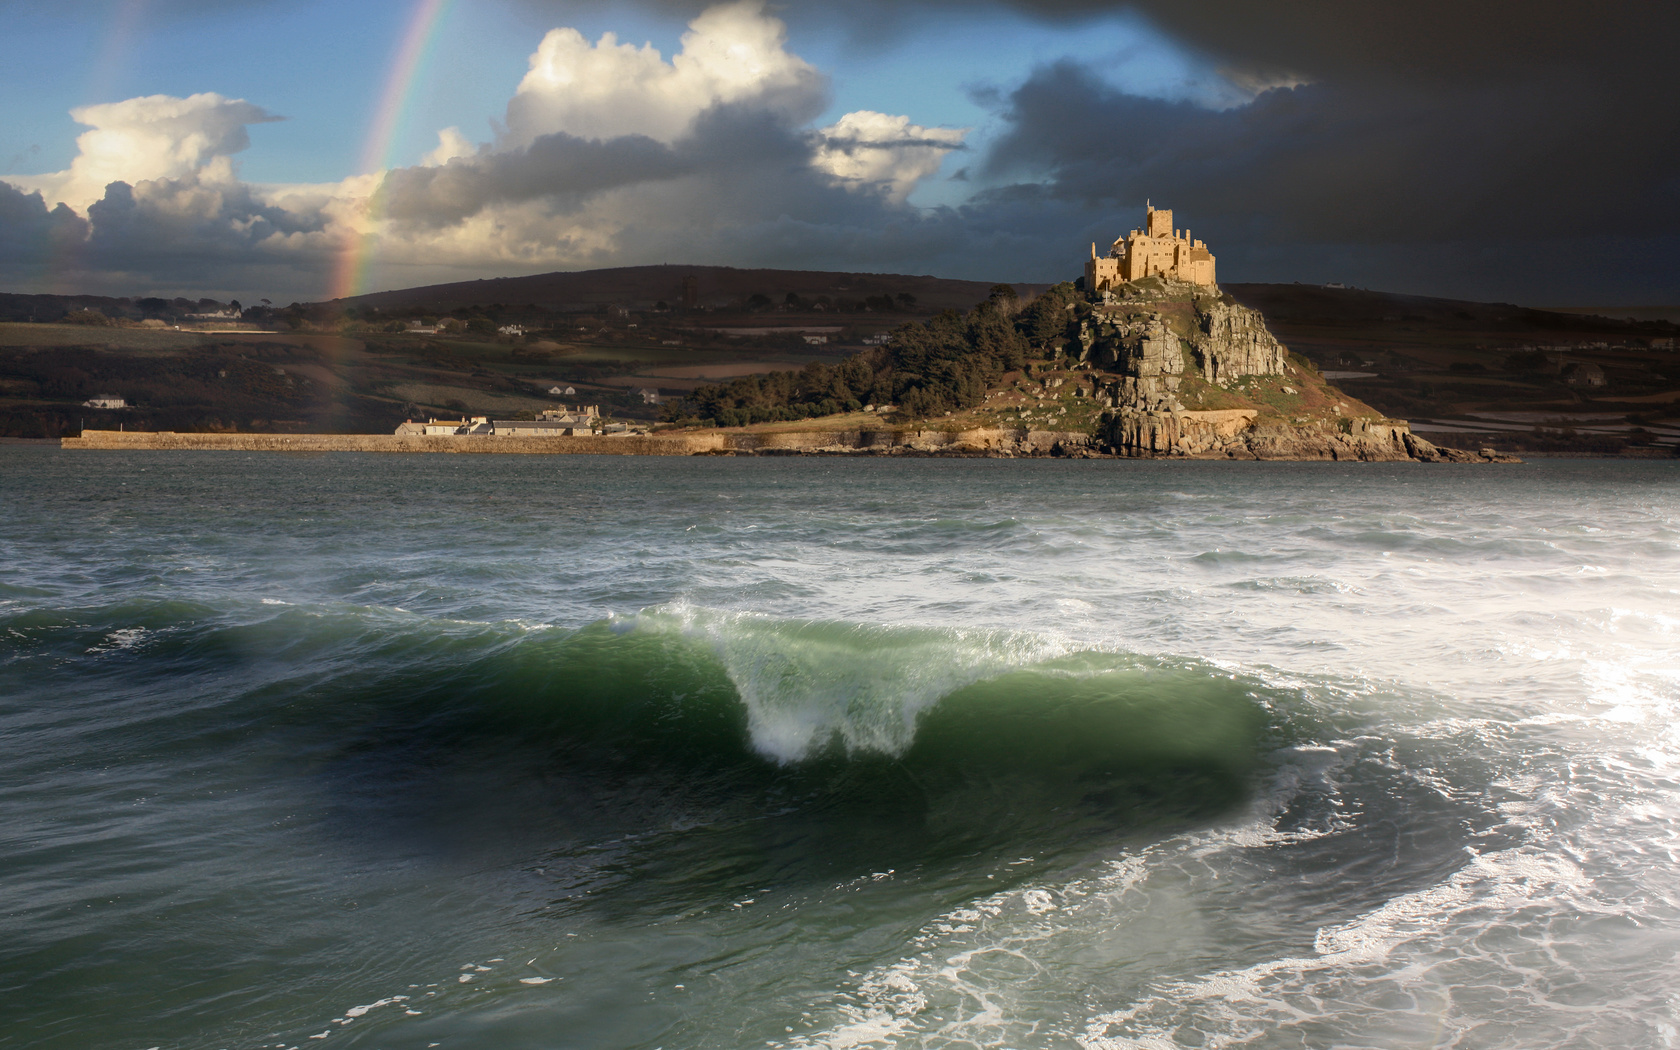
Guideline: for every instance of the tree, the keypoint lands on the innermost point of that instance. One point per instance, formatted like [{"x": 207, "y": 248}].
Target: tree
[{"x": 1046, "y": 321}]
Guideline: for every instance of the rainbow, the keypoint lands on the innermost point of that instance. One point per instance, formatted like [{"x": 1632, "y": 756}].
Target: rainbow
[{"x": 350, "y": 269}]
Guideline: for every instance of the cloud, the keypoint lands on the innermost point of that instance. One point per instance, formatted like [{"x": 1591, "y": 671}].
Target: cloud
[
  {"x": 869, "y": 149},
  {"x": 611, "y": 154},
  {"x": 33, "y": 237},
  {"x": 732, "y": 54},
  {"x": 153, "y": 137},
  {"x": 451, "y": 144},
  {"x": 1380, "y": 182},
  {"x": 560, "y": 168}
]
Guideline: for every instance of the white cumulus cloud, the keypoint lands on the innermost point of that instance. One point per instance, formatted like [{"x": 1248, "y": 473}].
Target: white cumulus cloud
[
  {"x": 869, "y": 149},
  {"x": 732, "y": 54},
  {"x": 151, "y": 137}
]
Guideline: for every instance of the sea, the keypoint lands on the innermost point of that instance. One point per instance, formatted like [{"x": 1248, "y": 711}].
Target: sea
[{"x": 520, "y": 752}]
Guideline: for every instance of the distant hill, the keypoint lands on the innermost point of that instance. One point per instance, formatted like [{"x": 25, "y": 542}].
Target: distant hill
[
  {"x": 1290, "y": 304},
  {"x": 640, "y": 287}
]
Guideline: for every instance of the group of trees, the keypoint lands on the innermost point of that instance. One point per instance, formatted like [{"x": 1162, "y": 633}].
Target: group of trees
[
  {"x": 105, "y": 312},
  {"x": 944, "y": 365}
]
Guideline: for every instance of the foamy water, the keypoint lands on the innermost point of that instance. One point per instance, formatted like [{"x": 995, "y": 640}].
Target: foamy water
[{"x": 410, "y": 751}]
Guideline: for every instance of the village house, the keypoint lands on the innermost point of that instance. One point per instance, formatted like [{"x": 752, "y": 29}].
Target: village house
[
  {"x": 582, "y": 413},
  {"x": 446, "y": 427},
  {"x": 105, "y": 401},
  {"x": 561, "y": 422}
]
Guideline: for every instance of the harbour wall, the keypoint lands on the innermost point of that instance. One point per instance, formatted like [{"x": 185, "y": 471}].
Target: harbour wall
[{"x": 970, "y": 442}]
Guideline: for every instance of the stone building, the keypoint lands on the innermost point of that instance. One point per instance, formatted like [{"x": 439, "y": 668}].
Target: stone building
[{"x": 1155, "y": 249}]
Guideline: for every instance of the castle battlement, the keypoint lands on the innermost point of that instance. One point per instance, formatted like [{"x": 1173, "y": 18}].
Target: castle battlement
[{"x": 1156, "y": 249}]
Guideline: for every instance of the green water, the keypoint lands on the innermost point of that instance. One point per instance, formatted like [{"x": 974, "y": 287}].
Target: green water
[{"x": 563, "y": 752}]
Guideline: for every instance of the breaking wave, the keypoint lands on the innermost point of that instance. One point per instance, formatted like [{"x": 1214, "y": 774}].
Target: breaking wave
[{"x": 899, "y": 742}]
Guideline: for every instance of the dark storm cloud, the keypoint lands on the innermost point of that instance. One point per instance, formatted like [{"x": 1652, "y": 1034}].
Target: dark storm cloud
[
  {"x": 558, "y": 167},
  {"x": 33, "y": 236},
  {"x": 161, "y": 236},
  {"x": 1325, "y": 161},
  {"x": 1497, "y": 149},
  {"x": 168, "y": 223}
]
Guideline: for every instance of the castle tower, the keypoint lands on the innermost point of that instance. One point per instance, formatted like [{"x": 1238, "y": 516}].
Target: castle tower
[{"x": 1156, "y": 249}]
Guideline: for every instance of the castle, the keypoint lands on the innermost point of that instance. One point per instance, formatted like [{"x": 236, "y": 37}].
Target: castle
[{"x": 1156, "y": 249}]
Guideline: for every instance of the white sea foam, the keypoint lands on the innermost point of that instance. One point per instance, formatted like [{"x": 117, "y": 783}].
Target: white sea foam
[
  {"x": 358, "y": 1011},
  {"x": 807, "y": 684},
  {"x": 123, "y": 638}
]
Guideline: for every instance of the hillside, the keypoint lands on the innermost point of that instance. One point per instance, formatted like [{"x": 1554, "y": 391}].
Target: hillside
[
  {"x": 1536, "y": 380},
  {"x": 642, "y": 287}
]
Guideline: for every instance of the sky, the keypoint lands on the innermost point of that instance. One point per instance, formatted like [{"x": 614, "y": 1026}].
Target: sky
[{"x": 303, "y": 150}]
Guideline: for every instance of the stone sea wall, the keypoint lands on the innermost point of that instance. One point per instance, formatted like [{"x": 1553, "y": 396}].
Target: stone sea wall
[
  {"x": 623, "y": 445},
  {"x": 959, "y": 442},
  {"x": 1225, "y": 434}
]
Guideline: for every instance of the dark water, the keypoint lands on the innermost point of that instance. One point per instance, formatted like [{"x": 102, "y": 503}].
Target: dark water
[{"x": 586, "y": 752}]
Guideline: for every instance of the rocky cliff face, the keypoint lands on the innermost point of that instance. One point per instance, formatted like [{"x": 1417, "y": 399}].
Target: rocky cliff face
[
  {"x": 1236, "y": 435},
  {"x": 1153, "y": 345},
  {"x": 1225, "y": 341},
  {"x": 1232, "y": 341},
  {"x": 1145, "y": 353}
]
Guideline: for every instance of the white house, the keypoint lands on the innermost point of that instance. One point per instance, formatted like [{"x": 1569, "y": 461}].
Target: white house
[
  {"x": 105, "y": 401},
  {"x": 449, "y": 427}
]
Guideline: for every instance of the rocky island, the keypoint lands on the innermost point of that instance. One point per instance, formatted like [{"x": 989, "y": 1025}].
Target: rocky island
[{"x": 1183, "y": 369}]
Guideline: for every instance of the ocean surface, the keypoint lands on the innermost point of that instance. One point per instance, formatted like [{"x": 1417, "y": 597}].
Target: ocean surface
[{"x": 511, "y": 752}]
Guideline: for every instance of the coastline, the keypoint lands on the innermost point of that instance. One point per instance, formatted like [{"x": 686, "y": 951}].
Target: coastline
[
  {"x": 711, "y": 442},
  {"x": 987, "y": 442}
]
